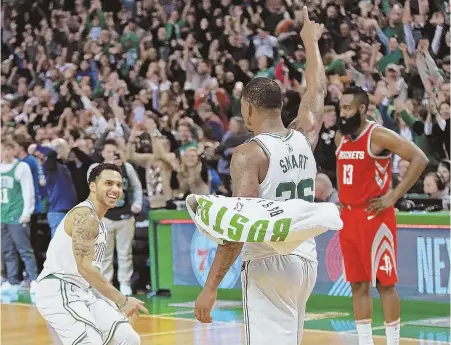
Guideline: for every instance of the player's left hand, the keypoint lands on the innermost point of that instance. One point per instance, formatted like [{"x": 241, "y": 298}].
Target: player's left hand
[
  {"x": 377, "y": 205},
  {"x": 204, "y": 305}
]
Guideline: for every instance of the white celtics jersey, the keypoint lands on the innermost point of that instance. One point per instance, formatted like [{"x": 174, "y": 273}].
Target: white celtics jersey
[
  {"x": 60, "y": 260},
  {"x": 291, "y": 175}
]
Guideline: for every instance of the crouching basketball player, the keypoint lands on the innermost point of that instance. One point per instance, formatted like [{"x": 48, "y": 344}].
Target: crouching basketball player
[
  {"x": 72, "y": 295},
  {"x": 368, "y": 238}
]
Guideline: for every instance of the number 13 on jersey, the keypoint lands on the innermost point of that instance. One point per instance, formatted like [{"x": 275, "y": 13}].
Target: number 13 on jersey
[{"x": 348, "y": 170}]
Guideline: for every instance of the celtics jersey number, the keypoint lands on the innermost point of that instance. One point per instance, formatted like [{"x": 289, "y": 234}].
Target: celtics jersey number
[
  {"x": 303, "y": 190},
  {"x": 12, "y": 202},
  {"x": 4, "y": 196}
]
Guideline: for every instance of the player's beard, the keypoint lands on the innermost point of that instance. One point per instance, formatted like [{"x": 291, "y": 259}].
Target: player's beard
[{"x": 352, "y": 124}]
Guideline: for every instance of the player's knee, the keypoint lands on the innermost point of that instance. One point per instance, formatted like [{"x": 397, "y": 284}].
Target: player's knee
[
  {"x": 385, "y": 290},
  {"x": 126, "y": 335},
  {"x": 92, "y": 337},
  {"x": 360, "y": 289}
]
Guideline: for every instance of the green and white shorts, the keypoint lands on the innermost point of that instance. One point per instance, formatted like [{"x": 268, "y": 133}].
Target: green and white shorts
[{"x": 78, "y": 316}]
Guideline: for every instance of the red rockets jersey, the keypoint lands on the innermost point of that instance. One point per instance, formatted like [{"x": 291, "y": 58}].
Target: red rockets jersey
[{"x": 361, "y": 175}]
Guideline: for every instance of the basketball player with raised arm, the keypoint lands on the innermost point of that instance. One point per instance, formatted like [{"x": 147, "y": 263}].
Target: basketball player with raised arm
[
  {"x": 72, "y": 295},
  {"x": 277, "y": 164},
  {"x": 368, "y": 238}
]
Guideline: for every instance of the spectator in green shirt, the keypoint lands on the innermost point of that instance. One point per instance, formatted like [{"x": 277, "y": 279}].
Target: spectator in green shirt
[
  {"x": 130, "y": 43},
  {"x": 394, "y": 55},
  {"x": 264, "y": 70}
]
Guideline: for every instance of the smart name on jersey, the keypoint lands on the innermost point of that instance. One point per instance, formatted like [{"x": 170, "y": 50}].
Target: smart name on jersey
[{"x": 291, "y": 175}]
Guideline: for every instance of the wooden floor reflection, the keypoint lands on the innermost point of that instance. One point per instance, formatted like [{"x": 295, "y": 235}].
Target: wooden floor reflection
[{"x": 23, "y": 325}]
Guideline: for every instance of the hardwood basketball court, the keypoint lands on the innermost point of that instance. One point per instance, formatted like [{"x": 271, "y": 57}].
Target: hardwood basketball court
[{"x": 22, "y": 325}]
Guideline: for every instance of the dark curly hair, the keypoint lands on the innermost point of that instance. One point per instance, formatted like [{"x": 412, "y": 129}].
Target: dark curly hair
[
  {"x": 97, "y": 170},
  {"x": 263, "y": 93},
  {"x": 360, "y": 95}
]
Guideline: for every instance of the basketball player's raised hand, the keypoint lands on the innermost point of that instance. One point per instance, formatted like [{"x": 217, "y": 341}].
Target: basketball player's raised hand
[{"x": 311, "y": 31}]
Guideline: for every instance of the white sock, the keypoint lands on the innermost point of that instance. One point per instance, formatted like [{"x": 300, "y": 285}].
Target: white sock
[
  {"x": 392, "y": 332},
  {"x": 364, "y": 331}
]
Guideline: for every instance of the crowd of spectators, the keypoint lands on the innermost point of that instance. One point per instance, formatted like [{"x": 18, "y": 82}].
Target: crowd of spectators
[{"x": 155, "y": 86}]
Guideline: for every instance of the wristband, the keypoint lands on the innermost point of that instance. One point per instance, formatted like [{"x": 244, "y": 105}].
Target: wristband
[{"x": 123, "y": 305}]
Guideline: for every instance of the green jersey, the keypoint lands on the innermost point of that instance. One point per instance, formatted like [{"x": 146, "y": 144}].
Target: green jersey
[{"x": 12, "y": 202}]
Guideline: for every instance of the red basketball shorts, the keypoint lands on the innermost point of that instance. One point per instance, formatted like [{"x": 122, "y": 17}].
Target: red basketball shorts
[{"x": 368, "y": 245}]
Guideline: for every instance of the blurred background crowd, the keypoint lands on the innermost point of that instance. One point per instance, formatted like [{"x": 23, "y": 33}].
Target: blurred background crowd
[{"x": 154, "y": 86}]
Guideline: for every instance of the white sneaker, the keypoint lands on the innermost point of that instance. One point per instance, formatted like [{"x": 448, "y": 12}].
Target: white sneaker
[
  {"x": 33, "y": 286},
  {"x": 8, "y": 288},
  {"x": 126, "y": 290}
]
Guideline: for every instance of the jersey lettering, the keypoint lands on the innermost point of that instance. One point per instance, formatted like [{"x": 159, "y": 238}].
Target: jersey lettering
[
  {"x": 348, "y": 170},
  {"x": 275, "y": 211},
  {"x": 217, "y": 226},
  {"x": 293, "y": 162},
  {"x": 258, "y": 231},
  {"x": 235, "y": 227},
  {"x": 281, "y": 229},
  {"x": 4, "y": 196},
  {"x": 7, "y": 182},
  {"x": 351, "y": 155},
  {"x": 361, "y": 176},
  {"x": 239, "y": 206},
  {"x": 203, "y": 209}
]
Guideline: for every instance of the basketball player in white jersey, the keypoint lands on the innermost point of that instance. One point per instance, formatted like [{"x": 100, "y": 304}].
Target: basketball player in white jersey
[
  {"x": 72, "y": 295},
  {"x": 278, "y": 164}
]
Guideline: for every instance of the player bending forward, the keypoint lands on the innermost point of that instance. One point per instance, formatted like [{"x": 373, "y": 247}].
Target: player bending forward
[
  {"x": 368, "y": 238},
  {"x": 72, "y": 295},
  {"x": 277, "y": 164}
]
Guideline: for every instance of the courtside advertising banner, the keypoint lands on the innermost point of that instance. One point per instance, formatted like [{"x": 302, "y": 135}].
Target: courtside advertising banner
[{"x": 423, "y": 262}]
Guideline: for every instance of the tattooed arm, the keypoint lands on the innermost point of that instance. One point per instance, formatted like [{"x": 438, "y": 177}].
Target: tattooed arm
[
  {"x": 311, "y": 109},
  {"x": 245, "y": 169},
  {"x": 82, "y": 225}
]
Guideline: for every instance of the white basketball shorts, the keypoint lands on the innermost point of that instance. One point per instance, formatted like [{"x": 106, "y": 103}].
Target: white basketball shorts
[
  {"x": 77, "y": 316},
  {"x": 275, "y": 293}
]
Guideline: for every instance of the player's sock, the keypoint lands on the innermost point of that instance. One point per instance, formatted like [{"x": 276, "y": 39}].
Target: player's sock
[
  {"x": 364, "y": 331},
  {"x": 392, "y": 332}
]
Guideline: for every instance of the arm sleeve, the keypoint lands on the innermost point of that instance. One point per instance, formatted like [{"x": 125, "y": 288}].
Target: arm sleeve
[
  {"x": 428, "y": 128},
  {"x": 435, "y": 45},
  {"x": 441, "y": 122},
  {"x": 135, "y": 184},
  {"x": 411, "y": 45},
  {"x": 384, "y": 39},
  {"x": 24, "y": 176},
  {"x": 408, "y": 118}
]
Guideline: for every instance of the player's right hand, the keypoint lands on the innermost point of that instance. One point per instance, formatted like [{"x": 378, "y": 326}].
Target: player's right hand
[
  {"x": 133, "y": 306},
  {"x": 204, "y": 304},
  {"x": 311, "y": 31}
]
